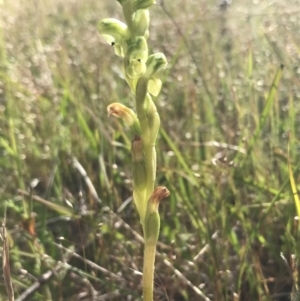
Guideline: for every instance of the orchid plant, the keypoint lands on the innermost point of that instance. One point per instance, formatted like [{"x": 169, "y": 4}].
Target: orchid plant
[{"x": 143, "y": 73}]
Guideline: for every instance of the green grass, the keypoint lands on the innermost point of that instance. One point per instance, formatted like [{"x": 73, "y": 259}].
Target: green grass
[{"x": 226, "y": 109}]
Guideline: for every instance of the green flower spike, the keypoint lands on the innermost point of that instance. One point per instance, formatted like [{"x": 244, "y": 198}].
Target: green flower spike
[
  {"x": 115, "y": 33},
  {"x": 127, "y": 115},
  {"x": 156, "y": 64},
  {"x": 143, "y": 74}
]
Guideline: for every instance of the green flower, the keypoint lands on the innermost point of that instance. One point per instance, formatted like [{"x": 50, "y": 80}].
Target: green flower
[
  {"x": 156, "y": 64},
  {"x": 130, "y": 81},
  {"x": 137, "y": 55},
  {"x": 115, "y": 33}
]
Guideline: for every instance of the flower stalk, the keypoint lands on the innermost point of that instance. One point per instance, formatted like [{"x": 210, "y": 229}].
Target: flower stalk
[{"x": 143, "y": 75}]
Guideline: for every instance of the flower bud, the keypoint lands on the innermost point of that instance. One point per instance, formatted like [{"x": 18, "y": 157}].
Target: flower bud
[
  {"x": 141, "y": 20},
  {"x": 157, "y": 195},
  {"x": 137, "y": 55},
  {"x": 127, "y": 115},
  {"x": 156, "y": 64},
  {"x": 142, "y": 4},
  {"x": 152, "y": 219},
  {"x": 131, "y": 81},
  {"x": 135, "y": 69},
  {"x": 138, "y": 49},
  {"x": 115, "y": 33}
]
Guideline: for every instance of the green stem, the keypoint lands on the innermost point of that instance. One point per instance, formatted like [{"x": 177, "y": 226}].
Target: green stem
[
  {"x": 148, "y": 271},
  {"x": 141, "y": 92},
  {"x": 127, "y": 11},
  {"x": 150, "y": 158}
]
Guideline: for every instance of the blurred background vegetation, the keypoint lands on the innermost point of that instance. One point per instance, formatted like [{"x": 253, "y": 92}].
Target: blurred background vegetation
[{"x": 228, "y": 113}]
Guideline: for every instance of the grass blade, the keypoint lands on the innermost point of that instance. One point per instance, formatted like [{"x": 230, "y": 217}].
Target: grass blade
[
  {"x": 267, "y": 108},
  {"x": 5, "y": 262},
  {"x": 293, "y": 182}
]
